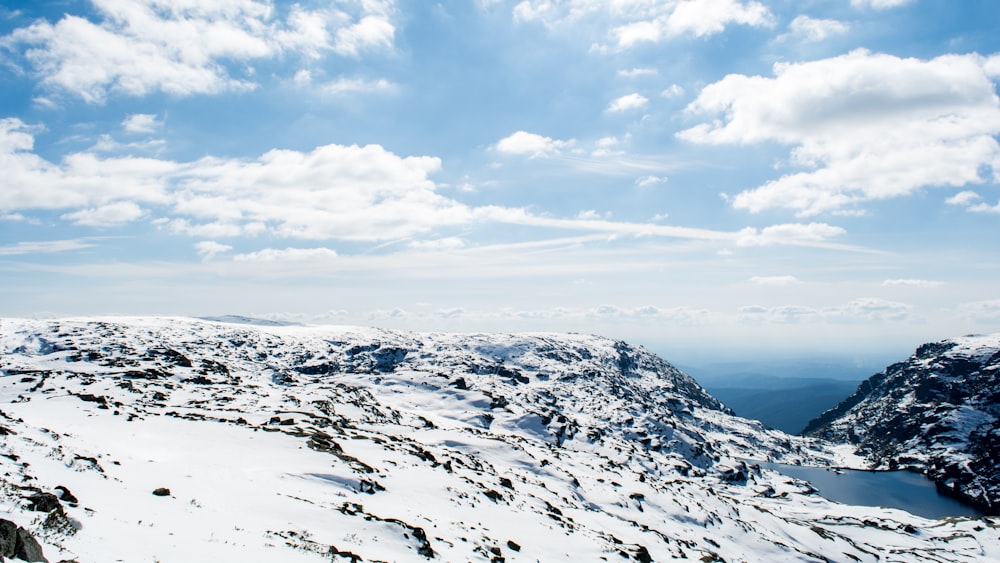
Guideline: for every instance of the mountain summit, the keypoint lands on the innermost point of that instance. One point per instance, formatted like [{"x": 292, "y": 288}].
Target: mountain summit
[
  {"x": 141, "y": 439},
  {"x": 938, "y": 412}
]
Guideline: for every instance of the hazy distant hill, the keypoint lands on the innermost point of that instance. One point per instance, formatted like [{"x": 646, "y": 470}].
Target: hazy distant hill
[
  {"x": 783, "y": 393},
  {"x": 787, "y": 404}
]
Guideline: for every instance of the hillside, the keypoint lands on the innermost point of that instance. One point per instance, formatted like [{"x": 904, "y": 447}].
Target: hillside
[
  {"x": 938, "y": 412},
  {"x": 141, "y": 439}
]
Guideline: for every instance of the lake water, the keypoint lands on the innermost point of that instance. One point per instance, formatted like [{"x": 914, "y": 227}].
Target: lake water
[{"x": 907, "y": 490}]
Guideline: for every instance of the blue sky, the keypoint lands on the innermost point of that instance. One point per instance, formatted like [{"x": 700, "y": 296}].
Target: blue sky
[{"x": 688, "y": 174}]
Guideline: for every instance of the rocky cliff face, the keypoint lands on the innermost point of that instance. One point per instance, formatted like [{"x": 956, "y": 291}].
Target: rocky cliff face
[
  {"x": 937, "y": 412},
  {"x": 178, "y": 439}
]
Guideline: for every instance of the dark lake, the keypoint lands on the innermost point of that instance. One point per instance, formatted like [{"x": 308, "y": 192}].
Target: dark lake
[{"x": 906, "y": 490}]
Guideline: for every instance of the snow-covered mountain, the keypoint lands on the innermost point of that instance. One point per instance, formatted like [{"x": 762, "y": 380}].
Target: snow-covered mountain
[
  {"x": 149, "y": 439},
  {"x": 937, "y": 412}
]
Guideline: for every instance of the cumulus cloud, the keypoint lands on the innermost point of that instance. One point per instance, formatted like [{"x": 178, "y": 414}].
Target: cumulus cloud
[
  {"x": 286, "y": 255},
  {"x": 649, "y": 181},
  {"x": 673, "y": 315},
  {"x": 209, "y": 249},
  {"x": 863, "y": 126},
  {"x": 673, "y": 91},
  {"x": 109, "y": 215},
  {"x": 698, "y": 18},
  {"x": 966, "y": 197},
  {"x": 332, "y": 192},
  {"x": 372, "y": 32},
  {"x": 136, "y": 47},
  {"x": 628, "y": 102},
  {"x": 985, "y": 208},
  {"x": 142, "y": 123},
  {"x": 637, "y": 72},
  {"x": 342, "y": 86},
  {"x": 864, "y": 309},
  {"x": 790, "y": 233},
  {"x": 532, "y": 145},
  {"x": 633, "y": 22},
  {"x": 814, "y": 29},
  {"x": 972, "y": 202},
  {"x": 80, "y": 180}
]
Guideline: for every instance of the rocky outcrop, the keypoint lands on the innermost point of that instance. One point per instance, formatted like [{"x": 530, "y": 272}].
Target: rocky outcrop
[
  {"x": 937, "y": 412},
  {"x": 18, "y": 543}
]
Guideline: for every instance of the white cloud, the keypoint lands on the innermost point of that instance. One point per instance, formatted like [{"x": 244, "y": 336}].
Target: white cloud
[
  {"x": 531, "y": 144},
  {"x": 628, "y": 102},
  {"x": 109, "y": 215},
  {"x": 699, "y": 18},
  {"x": 963, "y": 198},
  {"x": 447, "y": 243},
  {"x": 333, "y": 192},
  {"x": 371, "y": 33},
  {"x": 286, "y": 255},
  {"x": 863, "y": 126},
  {"x": 43, "y": 247},
  {"x": 142, "y": 123},
  {"x": 80, "y": 180},
  {"x": 637, "y": 72},
  {"x": 183, "y": 48},
  {"x": 870, "y": 309},
  {"x": 630, "y": 22},
  {"x": 648, "y": 181},
  {"x": 972, "y": 202},
  {"x": 774, "y": 280},
  {"x": 343, "y": 86},
  {"x": 673, "y": 91},
  {"x": 814, "y": 29},
  {"x": 209, "y": 249},
  {"x": 985, "y": 208},
  {"x": 911, "y": 283},
  {"x": 864, "y": 309},
  {"x": 879, "y": 4},
  {"x": 790, "y": 233}
]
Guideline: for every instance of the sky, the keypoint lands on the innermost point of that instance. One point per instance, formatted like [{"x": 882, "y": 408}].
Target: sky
[{"x": 697, "y": 176}]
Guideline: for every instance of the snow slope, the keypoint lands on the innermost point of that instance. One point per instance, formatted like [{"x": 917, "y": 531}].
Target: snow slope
[
  {"x": 292, "y": 443},
  {"x": 937, "y": 412}
]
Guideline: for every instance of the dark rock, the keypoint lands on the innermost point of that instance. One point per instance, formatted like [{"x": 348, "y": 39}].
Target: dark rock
[
  {"x": 161, "y": 492},
  {"x": 28, "y": 548},
  {"x": 8, "y": 538},
  {"x": 514, "y": 546},
  {"x": 43, "y": 502},
  {"x": 18, "y": 543},
  {"x": 65, "y": 495}
]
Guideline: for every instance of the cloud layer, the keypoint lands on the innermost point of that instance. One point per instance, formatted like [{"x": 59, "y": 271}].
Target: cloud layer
[
  {"x": 183, "y": 48},
  {"x": 861, "y": 126}
]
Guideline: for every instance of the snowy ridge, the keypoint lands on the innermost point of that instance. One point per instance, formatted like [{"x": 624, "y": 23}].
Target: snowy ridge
[
  {"x": 290, "y": 443},
  {"x": 937, "y": 412}
]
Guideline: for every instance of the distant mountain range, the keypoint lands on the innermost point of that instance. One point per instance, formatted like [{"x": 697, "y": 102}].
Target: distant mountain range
[
  {"x": 142, "y": 439},
  {"x": 786, "y": 403},
  {"x": 938, "y": 412}
]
